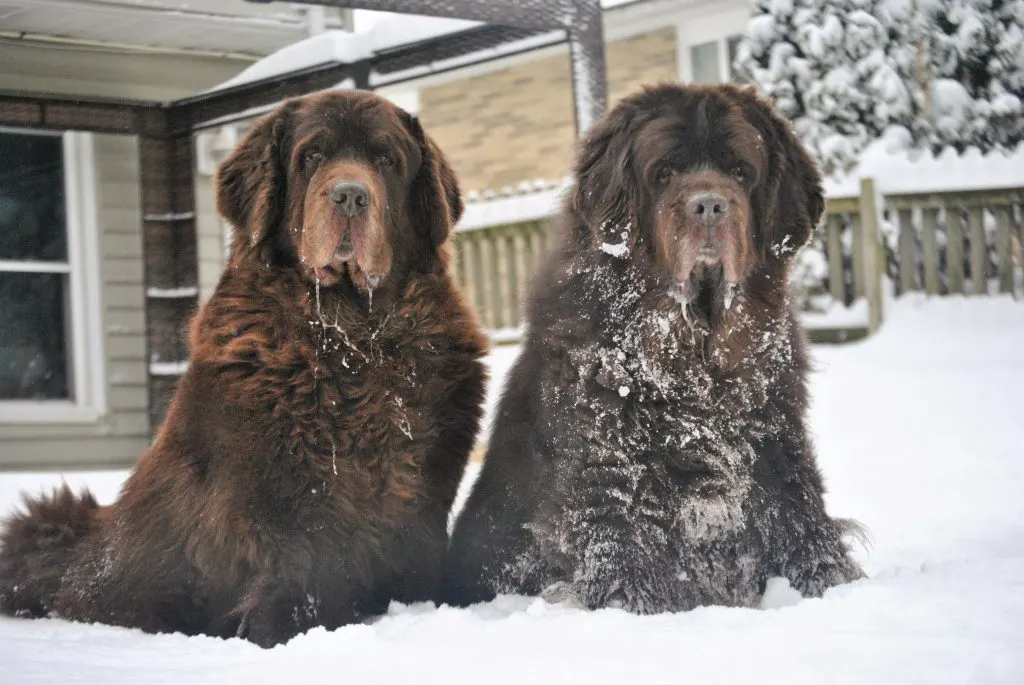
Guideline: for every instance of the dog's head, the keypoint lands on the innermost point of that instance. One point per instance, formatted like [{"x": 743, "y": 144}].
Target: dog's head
[
  {"x": 708, "y": 180},
  {"x": 340, "y": 185}
]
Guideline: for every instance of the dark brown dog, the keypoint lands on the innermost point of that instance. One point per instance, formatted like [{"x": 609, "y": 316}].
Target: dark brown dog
[
  {"x": 307, "y": 464},
  {"x": 650, "y": 449}
]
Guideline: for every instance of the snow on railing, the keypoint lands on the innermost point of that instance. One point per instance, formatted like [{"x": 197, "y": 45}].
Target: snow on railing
[
  {"x": 527, "y": 202},
  {"x": 930, "y": 241},
  {"x": 177, "y": 368},
  {"x": 169, "y": 216},
  {"x": 172, "y": 293}
]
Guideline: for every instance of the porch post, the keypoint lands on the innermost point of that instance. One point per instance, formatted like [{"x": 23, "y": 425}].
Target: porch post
[
  {"x": 587, "y": 63},
  {"x": 169, "y": 253}
]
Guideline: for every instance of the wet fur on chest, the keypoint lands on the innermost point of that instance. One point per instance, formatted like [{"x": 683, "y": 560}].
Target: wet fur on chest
[
  {"x": 348, "y": 388},
  {"x": 640, "y": 345}
]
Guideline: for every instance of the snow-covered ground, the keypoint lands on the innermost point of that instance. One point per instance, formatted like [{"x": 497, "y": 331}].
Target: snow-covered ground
[{"x": 921, "y": 436}]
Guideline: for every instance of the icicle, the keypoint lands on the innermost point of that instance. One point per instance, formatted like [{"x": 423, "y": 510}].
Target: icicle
[
  {"x": 369, "y": 294},
  {"x": 730, "y": 294},
  {"x": 678, "y": 292},
  {"x": 686, "y": 313},
  {"x": 323, "y": 333},
  {"x": 334, "y": 457},
  {"x": 318, "y": 314}
]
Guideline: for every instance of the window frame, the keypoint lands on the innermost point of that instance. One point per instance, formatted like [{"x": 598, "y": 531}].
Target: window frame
[{"x": 86, "y": 344}]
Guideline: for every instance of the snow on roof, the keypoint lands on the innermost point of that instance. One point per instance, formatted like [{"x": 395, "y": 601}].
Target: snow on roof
[
  {"x": 387, "y": 32},
  {"x": 345, "y": 47},
  {"x": 900, "y": 172}
]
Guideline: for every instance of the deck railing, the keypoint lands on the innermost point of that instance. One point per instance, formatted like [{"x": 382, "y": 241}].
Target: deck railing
[{"x": 953, "y": 243}]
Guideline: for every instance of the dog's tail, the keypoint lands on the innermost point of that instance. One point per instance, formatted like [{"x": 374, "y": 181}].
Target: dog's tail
[
  {"x": 853, "y": 531},
  {"x": 38, "y": 544}
]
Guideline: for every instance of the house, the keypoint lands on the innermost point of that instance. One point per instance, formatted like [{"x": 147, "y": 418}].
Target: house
[
  {"x": 73, "y": 354},
  {"x": 109, "y": 238}
]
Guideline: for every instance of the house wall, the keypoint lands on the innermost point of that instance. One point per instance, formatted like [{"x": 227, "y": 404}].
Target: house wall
[
  {"x": 507, "y": 122},
  {"x": 501, "y": 128},
  {"x": 122, "y": 431}
]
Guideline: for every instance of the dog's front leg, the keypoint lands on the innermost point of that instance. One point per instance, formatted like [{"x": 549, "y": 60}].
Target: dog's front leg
[
  {"x": 272, "y": 612},
  {"x": 611, "y": 556},
  {"x": 623, "y": 566}
]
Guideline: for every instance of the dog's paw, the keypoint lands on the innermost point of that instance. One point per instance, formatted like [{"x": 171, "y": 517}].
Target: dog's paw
[
  {"x": 562, "y": 592},
  {"x": 814, "y": 575},
  {"x": 276, "y": 619},
  {"x": 636, "y": 592}
]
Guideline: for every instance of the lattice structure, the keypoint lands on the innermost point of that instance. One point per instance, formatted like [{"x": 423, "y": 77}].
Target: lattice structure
[{"x": 580, "y": 19}]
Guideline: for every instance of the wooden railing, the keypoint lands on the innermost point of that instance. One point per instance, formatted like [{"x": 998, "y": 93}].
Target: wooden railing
[
  {"x": 933, "y": 243},
  {"x": 956, "y": 243},
  {"x": 493, "y": 266}
]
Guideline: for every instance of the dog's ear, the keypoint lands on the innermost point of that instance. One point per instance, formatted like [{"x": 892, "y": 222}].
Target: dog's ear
[
  {"x": 794, "y": 197},
  {"x": 435, "y": 195},
  {"x": 601, "y": 194},
  {"x": 252, "y": 182}
]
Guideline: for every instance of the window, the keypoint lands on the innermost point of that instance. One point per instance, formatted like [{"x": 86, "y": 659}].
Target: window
[
  {"x": 704, "y": 63},
  {"x": 712, "y": 62},
  {"x": 50, "y": 368}
]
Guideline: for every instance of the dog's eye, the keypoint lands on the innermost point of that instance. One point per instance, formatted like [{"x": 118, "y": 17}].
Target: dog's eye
[
  {"x": 385, "y": 161},
  {"x": 664, "y": 175},
  {"x": 739, "y": 173},
  {"x": 312, "y": 158}
]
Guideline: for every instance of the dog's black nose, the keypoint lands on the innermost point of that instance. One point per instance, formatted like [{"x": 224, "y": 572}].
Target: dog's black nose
[
  {"x": 708, "y": 209},
  {"x": 351, "y": 197}
]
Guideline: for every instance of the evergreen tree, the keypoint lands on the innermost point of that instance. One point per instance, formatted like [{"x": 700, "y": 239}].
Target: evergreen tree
[
  {"x": 841, "y": 70},
  {"x": 975, "y": 54}
]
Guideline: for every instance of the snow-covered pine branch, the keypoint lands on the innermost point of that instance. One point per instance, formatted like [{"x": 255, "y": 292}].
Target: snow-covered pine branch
[
  {"x": 976, "y": 62},
  {"x": 915, "y": 73}
]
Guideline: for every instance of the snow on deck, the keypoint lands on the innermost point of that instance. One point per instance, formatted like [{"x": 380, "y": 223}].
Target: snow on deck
[
  {"x": 920, "y": 438},
  {"x": 897, "y": 172}
]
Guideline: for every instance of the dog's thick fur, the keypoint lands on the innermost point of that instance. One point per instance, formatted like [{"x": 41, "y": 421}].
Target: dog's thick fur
[
  {"x": 650, "y": 449},
  {"x": 305, "y": 470}
]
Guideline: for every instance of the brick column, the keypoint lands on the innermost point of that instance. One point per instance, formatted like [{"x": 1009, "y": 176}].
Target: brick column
[{"x": 171, "y": 263}]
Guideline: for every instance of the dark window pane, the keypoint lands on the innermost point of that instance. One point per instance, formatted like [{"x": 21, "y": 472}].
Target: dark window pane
[
  {"x": 34, "y": 360},
  {"x": 32, "y": 223}
]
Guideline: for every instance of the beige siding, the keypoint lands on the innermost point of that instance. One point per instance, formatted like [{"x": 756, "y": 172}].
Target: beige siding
[
  {"x": 120, "y": 435},
  {"x": 505, "y": 127},
  {"x": 209, "y": 237}
]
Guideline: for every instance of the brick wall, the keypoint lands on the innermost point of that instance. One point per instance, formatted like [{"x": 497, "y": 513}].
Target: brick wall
[{"x": 504, "y": 127}]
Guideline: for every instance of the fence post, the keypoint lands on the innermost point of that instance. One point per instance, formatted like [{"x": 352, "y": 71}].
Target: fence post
[{"x": 871, "y": 258}]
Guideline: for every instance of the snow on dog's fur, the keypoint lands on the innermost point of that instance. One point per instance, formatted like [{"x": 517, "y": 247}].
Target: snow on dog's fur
[{"x": 650, "y": 448}]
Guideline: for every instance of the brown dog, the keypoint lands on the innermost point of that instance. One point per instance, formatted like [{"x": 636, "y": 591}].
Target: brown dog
[
  {"x": 650, "y": 449},
  {"x": 308, "y": 461}
]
